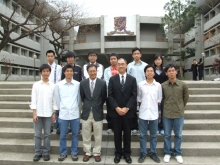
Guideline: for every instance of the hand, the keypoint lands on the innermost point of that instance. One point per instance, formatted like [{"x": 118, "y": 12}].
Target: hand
[
  {"x": 125, "y": 110},
  {"x": 119, "y": 111},
  {"x": 35, "y": 118},
  {"x": 53, "y": 117}
]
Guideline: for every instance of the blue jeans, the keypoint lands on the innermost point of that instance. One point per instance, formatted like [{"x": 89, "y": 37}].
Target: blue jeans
[
  {"x": 177, "y": 126},
  {"x": 57, "y": 123},
  {"x": 74, "y": 126},
  {"x": 143, "y": 126}
]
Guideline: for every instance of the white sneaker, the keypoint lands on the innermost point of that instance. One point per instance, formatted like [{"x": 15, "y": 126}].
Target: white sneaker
[
  {"x": 109, "y": 131},
  {"x": 166, "y": 158},
  {"x": 179, "y": 159}
]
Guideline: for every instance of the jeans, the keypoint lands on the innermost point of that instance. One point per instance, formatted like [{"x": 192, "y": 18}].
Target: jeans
[
  {"x": 57, "y": 123},
  {"x": 74, "y": 126},
  {"x": 45, "y": 124},
  {"x": 177, "y": 126},
  {"x": 143, "y": 126}
]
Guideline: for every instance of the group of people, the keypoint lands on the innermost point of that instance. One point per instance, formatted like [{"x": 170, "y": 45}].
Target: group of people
[
  {"x": 197, "y": 69},
  {"x": 138, "y": 96}
]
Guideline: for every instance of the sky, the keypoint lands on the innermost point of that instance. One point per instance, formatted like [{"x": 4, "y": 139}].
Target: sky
[{"x": 96, "y": 8}]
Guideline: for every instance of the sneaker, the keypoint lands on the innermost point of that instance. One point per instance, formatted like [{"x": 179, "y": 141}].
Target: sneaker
[
  {"x": 74, "y": 157},
  {"x": 162, "y": 132},
  {"x": 141, "y": 159},
  {"x": 155, "y": 158},
  {"x": 134, "y": 132},
  {"x": 58, "y": 132},
  {"x": 62, "y": 158},
  {"x": 109, "y": 131},
  {"x": 166, "y": 158},
  {"x": 179, "y": 159}
]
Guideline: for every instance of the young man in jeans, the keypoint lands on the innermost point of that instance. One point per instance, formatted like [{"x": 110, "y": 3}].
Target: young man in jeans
[
  {"x": 68, "y": 97},
  {"x": 43, "y": 104},
  {"x": 175, "y": 96},
  {"x": 149, "y": 96}
]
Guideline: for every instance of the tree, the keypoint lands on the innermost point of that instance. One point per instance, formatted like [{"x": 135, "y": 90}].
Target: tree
[
  {"x": 31, "y": 16},
  {"x": 178, "y": 14},
  {"x": 7, "y": 66}
]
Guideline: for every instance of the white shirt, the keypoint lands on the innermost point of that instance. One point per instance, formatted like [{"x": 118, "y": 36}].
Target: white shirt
[
  {"x": 58, "y": 73},
  {"x": 43, "y": 98},
  {"x": 149, "y": 95},
  {"x": 124, "y": 77},
  {"x": 68, "y": 97}
]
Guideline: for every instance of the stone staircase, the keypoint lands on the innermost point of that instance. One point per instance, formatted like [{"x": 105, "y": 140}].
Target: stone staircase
[{"x": 201, "y": 135}]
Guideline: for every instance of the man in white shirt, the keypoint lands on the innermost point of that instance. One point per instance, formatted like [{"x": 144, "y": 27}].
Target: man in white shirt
[
  {"x": 135, "y": 69},
  {"x": 68, "y": 96},
  {"x": 93, "y": 56},
  {"x": 43, "y": 104},
  {"x": 55, "y": 76},
  {"x": 149, "y": 96}
]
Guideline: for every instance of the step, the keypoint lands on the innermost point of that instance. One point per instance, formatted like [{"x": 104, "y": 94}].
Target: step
[
  {"x": 202, "y": 91},
  {"x": 188, "y": 148},
  {"x": 11, "y": 158},
  {"x": 204, "y": 98},
  {"x": 15, "y": 97},
  {"x": 203, "y": 84},
  {"x": 16, "y": 84},
  {"x": 202, "y": 106},
  {"x": 188, "y": 135},
  {"x": 202, "y": 114},
  {"x": 195, "y": 124},
  {"x": 20, "y": 91}
]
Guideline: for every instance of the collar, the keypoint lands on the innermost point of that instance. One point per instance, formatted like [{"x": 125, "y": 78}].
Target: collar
[
  {"x": 177, "y": 82},
  {"x": 113, "y": 68},
  {"x": 65, "y": 82},
  {"x": 52, "y": 64},
  {"x": 97, "y": 64},
  {"x": 123, "y": 75},
  {"x": 153, "y": 83},
  {"x": 139, "y": 63},
  {"x": 41, "y": 81}
]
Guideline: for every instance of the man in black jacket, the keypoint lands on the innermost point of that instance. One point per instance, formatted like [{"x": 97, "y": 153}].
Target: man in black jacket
[
  {"x": 70, "y": 58},
  {"x": 122, "y": 94}
]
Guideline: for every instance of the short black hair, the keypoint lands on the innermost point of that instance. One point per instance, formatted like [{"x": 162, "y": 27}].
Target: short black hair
[
  {"x": 134, "y": 49},
  {"x": 44, "y": 66},
  {"x": 70, "y": 54},
  {"x": 92, "y": 52},
  {"x": 149, "y": 66},
  {"x": 67, "y": 66},
  {"x": 170, "y": 66},
  {"x": 124, "y": 60},
  {"x": 194, "y": 59},
  {"x": 90, "y": 65},
  {"x": 50, "y": 51},
  {"x": 156, "y": 57},
  {"x": 113, "y": 54}
]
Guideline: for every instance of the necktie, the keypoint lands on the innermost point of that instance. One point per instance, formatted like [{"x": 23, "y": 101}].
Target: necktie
[
  {"x": 92, "y": 88},
  {"x": 122, "y": 83}
]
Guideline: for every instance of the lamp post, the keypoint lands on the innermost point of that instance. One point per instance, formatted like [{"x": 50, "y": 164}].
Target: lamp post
[
  {"x": 203, "y": 57},
  {"x": 34, "y": 56}
]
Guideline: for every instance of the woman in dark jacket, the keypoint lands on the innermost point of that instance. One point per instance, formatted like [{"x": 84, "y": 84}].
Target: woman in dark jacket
[
  {"x": 160, "y": 76},
  {"x": 200, "y": 68}
]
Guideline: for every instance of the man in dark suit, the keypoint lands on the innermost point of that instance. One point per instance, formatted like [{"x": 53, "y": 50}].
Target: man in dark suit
[
  {"x": 122, "y": 94},
  {"x": 93, "y": 94}
]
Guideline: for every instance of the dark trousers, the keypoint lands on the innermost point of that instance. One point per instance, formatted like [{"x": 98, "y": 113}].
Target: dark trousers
[
  {"x": 160, "y": 121},
  {"x": 135, "y": 120},
  {"x": 200, "y": 74},
  {"x": 122, "y": 127},
  {"x": 108, "y": 118}
]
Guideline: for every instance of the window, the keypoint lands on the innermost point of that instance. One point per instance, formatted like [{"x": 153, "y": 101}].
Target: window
[
  {"x": 14, "y": 50},
  {"x": 23, "y": 13},
  {"x": 31, "y": 54},
  {"x": 23, "y": 72},
  {"x": 23, "y": 52},
  {"x": 31, "y": 72},
  {"x": 6, "y": 48},
  {"x": 15, "y": 71},
  {"x": 37, "y": 39},
  {"x": 16, "y": 30},
  {"x": 212, "y": 51},
  {"x": 38, "y": 56},
  {"x": 23, "y": 31}
]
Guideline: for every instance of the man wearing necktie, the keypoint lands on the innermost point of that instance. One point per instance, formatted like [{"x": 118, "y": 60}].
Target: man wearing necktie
[
  {"x": 122, "y": 94},
  {"x": 93, "y": 95}
]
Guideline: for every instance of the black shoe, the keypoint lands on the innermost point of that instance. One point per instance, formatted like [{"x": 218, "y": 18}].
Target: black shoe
[
  {"x": 155, "y": 158},
  {"x": 46, "y": 157},
  {"x": 128, "y": 159},
  {"x": 62, "y": 158},
  {"x": 51, "y": 129},
  {"x": 141, "y": 159},
  {"x": 37, "y": 158},
  {"x": 117, "y": 159},
  {"x": 58, "y": 132}
]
